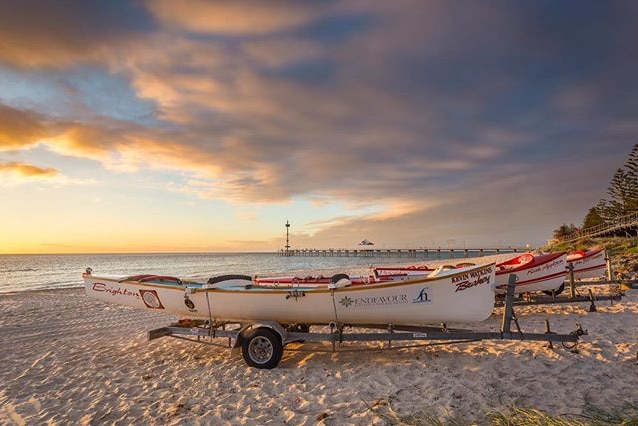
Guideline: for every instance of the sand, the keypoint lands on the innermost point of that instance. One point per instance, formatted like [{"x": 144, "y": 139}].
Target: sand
[{"x": 67, "y": 359}]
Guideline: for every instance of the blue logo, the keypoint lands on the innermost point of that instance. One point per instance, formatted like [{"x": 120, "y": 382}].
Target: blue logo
[{"x": 422, "y": 296}]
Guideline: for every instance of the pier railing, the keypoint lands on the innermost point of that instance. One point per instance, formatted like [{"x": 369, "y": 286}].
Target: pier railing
[{"x": 410, "y": 253}]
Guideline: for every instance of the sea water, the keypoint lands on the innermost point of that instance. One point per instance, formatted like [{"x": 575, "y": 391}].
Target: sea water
[{"x": 54, "y": 271}]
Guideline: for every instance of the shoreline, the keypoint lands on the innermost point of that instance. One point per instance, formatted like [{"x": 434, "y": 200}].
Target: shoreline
[
  {"x": 67, "y": 347},
  {"x": 41, "y": 290}
]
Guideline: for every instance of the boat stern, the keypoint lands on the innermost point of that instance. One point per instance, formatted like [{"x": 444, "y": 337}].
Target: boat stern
[{"x": 111, "y": 289}]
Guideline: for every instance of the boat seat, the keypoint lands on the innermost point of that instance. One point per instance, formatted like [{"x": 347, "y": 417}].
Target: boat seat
[
  {"x": 343, "y": 282},
  {"x": 440, "y": 269}
]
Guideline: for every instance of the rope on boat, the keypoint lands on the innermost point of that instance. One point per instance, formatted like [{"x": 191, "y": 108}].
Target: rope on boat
[
  {"x": 210, "y": 315},
  {"x": 334, "y": 305}
]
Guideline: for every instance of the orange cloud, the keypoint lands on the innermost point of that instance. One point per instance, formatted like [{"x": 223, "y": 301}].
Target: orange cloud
[
  {"x": 19, "y": 173},
  {"x": 27, "y": 170},
  {"x": 233, "y": 17},
  {"x": 19, "y": 129},
  {"x": 128, "y": 148}
]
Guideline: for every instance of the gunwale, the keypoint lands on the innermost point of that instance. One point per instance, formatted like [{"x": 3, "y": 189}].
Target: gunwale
[{"x": 288, "y": 288}]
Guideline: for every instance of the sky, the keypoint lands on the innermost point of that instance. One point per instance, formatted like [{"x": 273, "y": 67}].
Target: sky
[{"x": 176, "y": 126}]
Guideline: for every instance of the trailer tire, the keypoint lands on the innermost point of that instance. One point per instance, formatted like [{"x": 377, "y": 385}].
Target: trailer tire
[
  {"x": 221, "y": 278},
  {"x": 556, "y": 292},
  {"x": 262, "y": 348}
]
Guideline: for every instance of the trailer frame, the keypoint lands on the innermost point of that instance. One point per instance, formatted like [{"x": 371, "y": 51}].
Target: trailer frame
[
  {"x": 572, "y": 295},
  {"x": 263, "y": 342}
]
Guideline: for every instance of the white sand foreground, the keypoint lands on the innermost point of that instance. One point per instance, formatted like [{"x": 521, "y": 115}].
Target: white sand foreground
[{"x": 67, "y": 359}]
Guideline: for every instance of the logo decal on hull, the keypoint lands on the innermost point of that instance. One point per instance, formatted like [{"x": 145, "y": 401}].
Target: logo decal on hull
[
  {"x": 423, "y": 296},
  {"x": 472, "y": 279},
  {"x": 371, "y": 301},
  {"x": 151, "y": 299},
  {"x": 113, "y": 291},
  {"x": 346, "y": 301}
]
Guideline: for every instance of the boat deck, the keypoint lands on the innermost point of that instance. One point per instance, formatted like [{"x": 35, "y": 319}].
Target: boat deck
[{"x": 224, "y": 285}]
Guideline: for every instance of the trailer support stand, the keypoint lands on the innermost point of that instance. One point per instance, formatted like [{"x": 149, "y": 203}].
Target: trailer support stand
[
  {"x": 572, "y": 287},
  {"x": 509, "y": 306},
  {"x": 550, "y": 345}
]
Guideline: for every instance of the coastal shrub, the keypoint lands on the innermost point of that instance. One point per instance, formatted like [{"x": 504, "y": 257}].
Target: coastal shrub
[{"x": 623, "y": 415}]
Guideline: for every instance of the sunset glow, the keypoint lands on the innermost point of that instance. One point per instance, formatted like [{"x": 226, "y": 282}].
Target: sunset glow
[{"x": 160, "y": 125}]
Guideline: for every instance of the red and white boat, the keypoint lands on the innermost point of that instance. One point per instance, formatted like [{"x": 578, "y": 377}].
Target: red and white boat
[
  {"x": 545, "y": 272},
  {"x": 588, "y": 264}
]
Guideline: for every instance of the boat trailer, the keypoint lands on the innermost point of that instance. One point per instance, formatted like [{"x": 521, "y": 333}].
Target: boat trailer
[
  {"x": 262, "y": 342},
  {"x": 572, "y": 295}
]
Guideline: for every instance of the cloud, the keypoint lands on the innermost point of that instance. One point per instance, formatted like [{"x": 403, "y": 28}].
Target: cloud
[
  {"x": 14, "y": 173},
  {"x": 28, "y": 170},
  {"x": 407, "y": 112},
  {"x": 65, "y": 34},
  {"x": 19, "y": 129},
  {"x": 282, "y": 52},
  {"x": 234, "y": 17}
]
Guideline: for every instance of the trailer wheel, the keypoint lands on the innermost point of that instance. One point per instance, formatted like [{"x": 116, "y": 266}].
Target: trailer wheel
[
  {"x": 262, "y": 348},
  {"x": 556, "y": 292}
]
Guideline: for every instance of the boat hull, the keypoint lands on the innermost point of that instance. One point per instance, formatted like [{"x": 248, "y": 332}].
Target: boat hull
[
  {"x": 533, "y": 274},
  {"x": 463, "y": 296},
  {"x": 545, "y": 273},
  {"x": 591, "y": 265}
]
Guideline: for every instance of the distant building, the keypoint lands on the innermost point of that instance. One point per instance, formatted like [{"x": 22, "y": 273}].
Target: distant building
[{"x": 366, "y": 243}]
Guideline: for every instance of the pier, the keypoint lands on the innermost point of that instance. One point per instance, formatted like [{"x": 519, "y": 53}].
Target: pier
[{"x": 426, "y": 253}]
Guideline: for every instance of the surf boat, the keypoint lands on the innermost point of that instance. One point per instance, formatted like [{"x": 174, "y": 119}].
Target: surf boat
[
  {"x": 588, "y": 264},
  {"x": 545, "y": 272},
  {"x": 460, "y": 295},
  {"x": 534, "y": 273}
]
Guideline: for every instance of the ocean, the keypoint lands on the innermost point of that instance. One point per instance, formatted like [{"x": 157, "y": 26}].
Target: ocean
[
  {"x": 37, "y": 272},
  {"x": 57, "y": 271}
]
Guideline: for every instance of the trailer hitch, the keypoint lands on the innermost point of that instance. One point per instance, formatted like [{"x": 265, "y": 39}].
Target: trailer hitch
[{"x": 578, "y": 333}]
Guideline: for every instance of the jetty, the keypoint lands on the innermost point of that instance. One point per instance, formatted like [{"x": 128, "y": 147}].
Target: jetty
[{"x": 429, "y": 253}]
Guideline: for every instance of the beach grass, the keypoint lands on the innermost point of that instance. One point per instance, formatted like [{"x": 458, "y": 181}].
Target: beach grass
[{"x": 625, "y": 415}]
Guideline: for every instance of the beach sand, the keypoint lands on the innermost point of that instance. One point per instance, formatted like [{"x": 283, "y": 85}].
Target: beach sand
[{"x": 67, "y": 359}]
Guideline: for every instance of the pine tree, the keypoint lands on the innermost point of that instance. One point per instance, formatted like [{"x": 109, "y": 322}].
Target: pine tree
[
  {"x": 622, "y": 190},
  {"x": 632, "y": 162},
  {"x": 632, "y": 174},
  {"x": 593, "y": 218}
]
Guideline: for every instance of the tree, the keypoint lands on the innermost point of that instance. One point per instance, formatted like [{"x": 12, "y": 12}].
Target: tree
[
  {"x": 593, "y": 218},
  {"x": 622, "y": 190},
  {"x": 622, "y": 200},
  {"x": 565, "y": 231}
]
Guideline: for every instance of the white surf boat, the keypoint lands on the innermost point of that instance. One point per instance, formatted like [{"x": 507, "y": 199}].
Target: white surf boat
[
  {"x": 533, "y": 272},
  {"x": 460, "y": 295},
  {"x": 588, "y": 264}
]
